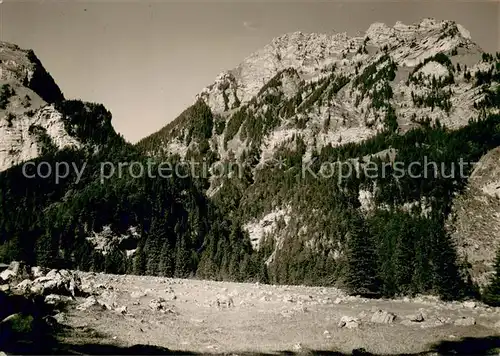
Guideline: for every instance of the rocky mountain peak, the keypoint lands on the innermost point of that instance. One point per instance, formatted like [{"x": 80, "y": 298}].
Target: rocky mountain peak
[
  {"x": 32, "y": 121},
  {"x": 312, "y": 53}
]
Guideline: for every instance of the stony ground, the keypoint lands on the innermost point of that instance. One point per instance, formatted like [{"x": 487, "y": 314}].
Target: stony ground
[{"x": 222, "y": 317}]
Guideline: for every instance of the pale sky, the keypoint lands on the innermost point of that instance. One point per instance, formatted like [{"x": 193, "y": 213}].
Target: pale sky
[{"x": 146, "y": 61}]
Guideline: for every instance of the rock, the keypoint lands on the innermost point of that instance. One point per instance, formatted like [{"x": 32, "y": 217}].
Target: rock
[
  {"x": 37, "y": 272},
  {"x": 138, "y": 294},
  {"x": 57, "y": 300},
  {"x": 90, "y": 302},
  {"x": 224, "y": 301},
  {"x": 122, "y": 310},
  {"x": 158, "y": 304},
  {"x": 53, "y": 299},
  {"x": 60, "y": 282},
  {"x": 6, "y": 275},
  {"x": 24, "y": 286},
  {"x": 383, "y": 317},
  {"x": 298, "y": 347},
  {"x": 15, "y": 266},
  {"x": 20, "y": 271},
  {"x": 4, "y": 288},
  {"x": 348, "y": 322},
  {"x": 465, "y": 321},
  {"x": 60, "y": 318},
  {"x": 37, "y": 289},
  {"x": 469, "y": 304},
  {"x": 288, "y": 298},
  {"x": 337, "y": 301},
  {"x": 51, "y": 274},
  {"x": 416, "y": 318}
]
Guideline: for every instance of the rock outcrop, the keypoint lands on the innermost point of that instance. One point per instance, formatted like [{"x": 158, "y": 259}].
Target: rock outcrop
[
  {"x": 39, "y": 281},
  {"x": 475, "y": 220}
]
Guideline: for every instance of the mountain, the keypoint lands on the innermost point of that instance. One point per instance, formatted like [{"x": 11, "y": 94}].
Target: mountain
[
  {"x": 331, "y": 72},
  {"x": 73, "y": 207},
  {"x": 297, "y": 167},
  {"x": 305, "y": 102},
  {"x": 30, "y": 124}
]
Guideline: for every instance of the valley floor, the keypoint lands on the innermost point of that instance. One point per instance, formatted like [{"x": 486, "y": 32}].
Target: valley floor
[{"x": 222, "y": 317}]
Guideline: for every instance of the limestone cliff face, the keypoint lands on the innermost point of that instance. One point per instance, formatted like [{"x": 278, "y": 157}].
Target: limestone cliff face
[
  {"x": 310, "y": 54},
  {"x": 315, "y": 90},
  {"x": 29, "y": 124},
  {"x": 333, "y": 89},
  {"x": 475, "y": 222}
]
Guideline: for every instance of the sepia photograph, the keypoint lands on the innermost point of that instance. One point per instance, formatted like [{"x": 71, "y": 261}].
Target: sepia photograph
[{"x": 249, "y": 177}]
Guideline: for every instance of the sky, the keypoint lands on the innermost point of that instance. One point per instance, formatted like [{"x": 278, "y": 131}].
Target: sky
[{"x": 147, "y": 60}]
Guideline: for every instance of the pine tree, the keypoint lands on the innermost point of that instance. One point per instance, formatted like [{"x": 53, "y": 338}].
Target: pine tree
[
  {"x": 140, "y": 261},
  {"x": 404, "y": 259},
  {"x": 447, "y": 282},
  {"x": 166, "y": 260},
  {"x": 361, "y": 259},
  {"x": 46, "y": 250},
  {"x": 114, "y": 261},
  {"x": 492, "y": 292}
]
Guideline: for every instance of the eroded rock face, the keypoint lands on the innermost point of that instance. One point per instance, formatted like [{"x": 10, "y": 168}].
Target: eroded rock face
[
  {"x": 312, "y": 86},
  {"x": 29, "y": 123},
  {"x": 475, "y": 221}
]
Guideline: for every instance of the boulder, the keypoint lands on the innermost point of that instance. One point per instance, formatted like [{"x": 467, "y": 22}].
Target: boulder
[
  {"x": 51, "y": 274},
  {"x": 60, "y": 318},
  {"x": 465, "y": 321},
  {"x": 121, "y": 310},
  {"x": 383, "y": 317},
  {"x": 416, "y": 318},
  {"x": 25, "y": 286},
  {"x": 348, "y": 322},
  {"x": 37, "y": 272},
  {"x": 138, "y": 294},
  {"x": 54, "y": 299},
  {"x": 16, "y": 272},
  {"x": 89, "y": 303},
  {"x": 224, "y": 301},
  {"x": 158, "y": 304},
  {"x": 6, "y": 275},
  {"x": 60, "y": 282},
  {"x": 469, "y": 304}
]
